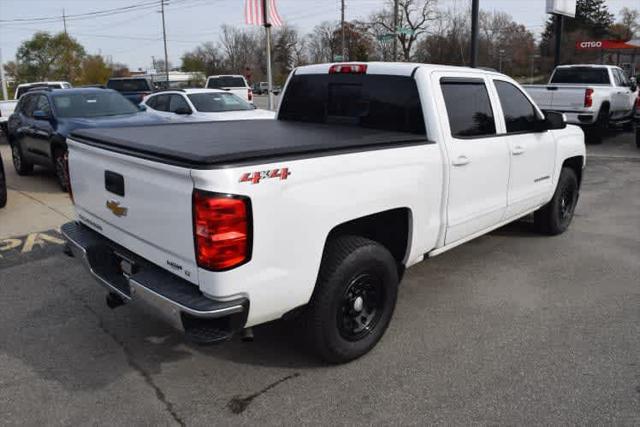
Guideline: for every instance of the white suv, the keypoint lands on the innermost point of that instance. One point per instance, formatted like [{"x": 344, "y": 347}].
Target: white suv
[{"x": 203, "y": 105}]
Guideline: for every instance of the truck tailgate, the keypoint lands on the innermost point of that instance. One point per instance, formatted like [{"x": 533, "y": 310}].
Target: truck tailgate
[
  {"x": 142, "y": 205},
  {"x": 558, "y": 97}
]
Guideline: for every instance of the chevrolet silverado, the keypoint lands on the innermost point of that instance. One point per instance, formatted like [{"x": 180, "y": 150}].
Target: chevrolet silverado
[
  {"x": 368, "y": 169},
  {"x": 591, "y": 96}
]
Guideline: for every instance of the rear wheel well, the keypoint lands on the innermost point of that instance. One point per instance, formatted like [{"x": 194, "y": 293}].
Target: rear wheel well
[
  {"x": 389, "y": 228},
  {"x": 575, "y": 164}
]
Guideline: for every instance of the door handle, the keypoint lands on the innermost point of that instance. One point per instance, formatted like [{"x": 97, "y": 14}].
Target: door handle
[
  {"x": 461, "y": 161},
  {"x": 517, "y": 150}
]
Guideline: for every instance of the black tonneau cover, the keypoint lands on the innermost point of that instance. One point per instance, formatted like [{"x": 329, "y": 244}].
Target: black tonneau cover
[{"x": 206, "y": 144}]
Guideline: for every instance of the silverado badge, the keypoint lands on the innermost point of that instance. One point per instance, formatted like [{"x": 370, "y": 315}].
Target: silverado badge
[{"x": 115, "y": 207}]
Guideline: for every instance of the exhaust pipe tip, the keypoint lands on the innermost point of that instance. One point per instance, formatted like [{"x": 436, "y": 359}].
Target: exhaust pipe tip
[
  {"x": 67, "y": 251},
  {"x": 247, "y": 335},
  {"x": 114, "y": 301}
]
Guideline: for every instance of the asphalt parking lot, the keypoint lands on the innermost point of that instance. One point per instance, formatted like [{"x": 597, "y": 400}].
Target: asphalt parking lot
[{"x": 511, "y": 328}]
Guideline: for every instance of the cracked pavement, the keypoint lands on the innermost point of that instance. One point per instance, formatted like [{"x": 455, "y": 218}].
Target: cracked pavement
[{"x": 511, "y": 328}]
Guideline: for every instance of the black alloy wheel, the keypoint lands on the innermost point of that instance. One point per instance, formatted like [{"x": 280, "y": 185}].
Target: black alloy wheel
[{"x": 361, "y": 307}]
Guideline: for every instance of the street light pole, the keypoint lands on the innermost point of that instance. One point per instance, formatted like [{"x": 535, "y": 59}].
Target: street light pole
[
  {"x": 475, "y": 11},
  {"x": 4, "y": 81},
  {"x": 267, "y": 29},
  {"x": 395, "y": 30},
  {"x": 344, "y": 48},
  {"x": 559, "y": 24}
]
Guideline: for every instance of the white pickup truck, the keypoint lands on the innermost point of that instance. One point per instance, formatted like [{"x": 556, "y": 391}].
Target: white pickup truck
[
  {"x": 591, "y": 96},
  {"x": 369, "y": 168},
  {"x": 235, "y": 84}
]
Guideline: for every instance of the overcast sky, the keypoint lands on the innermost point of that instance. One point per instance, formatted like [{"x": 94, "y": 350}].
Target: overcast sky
[{"x": 133, "y": 37}]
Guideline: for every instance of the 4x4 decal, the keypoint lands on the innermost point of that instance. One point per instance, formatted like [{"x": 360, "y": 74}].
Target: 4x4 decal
[{"x": 256, "y": 177}]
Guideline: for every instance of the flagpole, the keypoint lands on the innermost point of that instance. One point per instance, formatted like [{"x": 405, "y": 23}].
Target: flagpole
[{"x": 267, "y": 27}]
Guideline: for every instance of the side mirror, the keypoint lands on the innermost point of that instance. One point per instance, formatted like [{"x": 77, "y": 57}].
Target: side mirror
[
  {"x": 40, "y": 115},
  {"x": 555, "y": 120},
  {"x": 183, "y": 110}
]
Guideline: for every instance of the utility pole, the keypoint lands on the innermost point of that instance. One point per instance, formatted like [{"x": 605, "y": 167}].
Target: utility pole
[
  {"x": 475, "y": 11},
  {"x": 344, "y": 48},
  {"x": 395, "y": 30},
  {"x": 164, "y": 38},
  {"x": 64, "y": 21},
  {"x": 4, "y": 81},
  {"x": 267, "y": 29}
]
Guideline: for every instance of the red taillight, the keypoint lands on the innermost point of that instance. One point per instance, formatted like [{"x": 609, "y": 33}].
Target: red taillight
[
  {"x": 249, "y": 94},
  {"x": 222, "y": 228},
  {"x": 348, "y": 69},
  {"x": 588, "y": 101}
]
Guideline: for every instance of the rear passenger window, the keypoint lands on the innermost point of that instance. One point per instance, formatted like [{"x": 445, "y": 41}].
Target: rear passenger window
[
  {"x": 519, "y": 113},
  {"x": 161, "y": 103},
  {"x": 177, "y": 102},
  {"x": 468, "y": 107}
]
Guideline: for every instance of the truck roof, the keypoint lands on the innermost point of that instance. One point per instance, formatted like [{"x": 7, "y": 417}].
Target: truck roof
[
  {"x": 209, "y": 144},
  {"x": 389, "y": 68},
  {"x": 587, "y": 65}
]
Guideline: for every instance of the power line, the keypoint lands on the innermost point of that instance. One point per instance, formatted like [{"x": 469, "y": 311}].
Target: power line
[{"x": 92, "y": 14}]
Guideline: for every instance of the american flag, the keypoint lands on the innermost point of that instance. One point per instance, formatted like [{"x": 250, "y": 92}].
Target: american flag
[{"x": 254, "y": 14}]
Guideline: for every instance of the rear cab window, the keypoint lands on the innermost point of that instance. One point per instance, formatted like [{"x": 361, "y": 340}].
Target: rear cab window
[
  {"x": 384, "y": 102},
  {"x": 129, "y": 85},
  {"x": 581, "y": 75},
  {"x": 468, "y": 107},
  {"x": 225, "y": 82}
]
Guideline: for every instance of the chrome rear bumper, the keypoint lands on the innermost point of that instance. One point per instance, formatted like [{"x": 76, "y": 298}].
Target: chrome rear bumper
[{"x": 181, "y": 303}]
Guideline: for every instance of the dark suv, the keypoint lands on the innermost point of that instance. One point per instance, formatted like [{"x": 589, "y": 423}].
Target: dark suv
[
  {"x": 44, "y": 118},
  {"x": 132, "y": 88}
]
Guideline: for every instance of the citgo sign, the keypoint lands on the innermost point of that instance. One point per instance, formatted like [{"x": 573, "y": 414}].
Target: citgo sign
[{"x": 607, "y": 44}]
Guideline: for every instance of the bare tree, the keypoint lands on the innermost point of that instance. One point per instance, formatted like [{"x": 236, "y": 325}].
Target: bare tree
[
  {"x": 414, "y": 18},
  {"x": 630, "y": 18},
  {"x": 239, "y": 48},
  {"x": 322, "y": 45}
]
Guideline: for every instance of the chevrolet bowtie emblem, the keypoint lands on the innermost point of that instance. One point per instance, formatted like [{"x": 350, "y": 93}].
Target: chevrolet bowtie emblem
[{"x": 115, "y": 207}]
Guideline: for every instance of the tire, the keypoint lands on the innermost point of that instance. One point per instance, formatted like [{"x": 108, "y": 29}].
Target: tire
[
  {"x": 21, "y": 165},
  {"x": 595, "y": 133},
  {"x": 3, "y": 186},
  {"x": 554, "y": 217},
  {"x": 357, "y": 275},
  {"x": 60, "y": 166}
]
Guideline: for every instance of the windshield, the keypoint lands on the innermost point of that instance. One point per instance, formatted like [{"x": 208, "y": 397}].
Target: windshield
[
  {"x": 220, "y": 82},
  {"x": 129, "y": 85},
  {"x": 581, "y": 75},
  {"x": 218, "y": 102},
  {"x": 371, "y": 101},
  {"x": 94, "y": 104}
]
